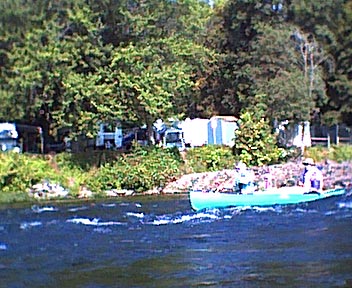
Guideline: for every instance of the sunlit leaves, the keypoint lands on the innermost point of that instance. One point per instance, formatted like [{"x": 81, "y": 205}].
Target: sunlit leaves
[
  {"x": 76, "y": 63},
  {"x": 154, "y": 78},
  {"x": 255, "y": 144}
]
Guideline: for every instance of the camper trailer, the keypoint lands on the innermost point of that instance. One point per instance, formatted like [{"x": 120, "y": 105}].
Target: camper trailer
[{"x": 218, "y": 130}]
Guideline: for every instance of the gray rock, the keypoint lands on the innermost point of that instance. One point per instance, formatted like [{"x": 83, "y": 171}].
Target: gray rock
[{"x": 287, "y": 174}]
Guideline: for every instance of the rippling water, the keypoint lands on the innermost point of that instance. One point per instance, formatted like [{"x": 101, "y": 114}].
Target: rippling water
[{"x": 159, "y": 242}]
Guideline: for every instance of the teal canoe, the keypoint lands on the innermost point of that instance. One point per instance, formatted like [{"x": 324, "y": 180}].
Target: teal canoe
[{"x": 276, "y": 196}]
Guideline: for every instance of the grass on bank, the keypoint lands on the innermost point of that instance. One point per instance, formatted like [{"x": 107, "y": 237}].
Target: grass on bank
[{"x": 141, "y": 170}]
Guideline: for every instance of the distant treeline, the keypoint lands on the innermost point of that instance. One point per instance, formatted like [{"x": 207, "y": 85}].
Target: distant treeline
[{"x": 75, "y": 63}]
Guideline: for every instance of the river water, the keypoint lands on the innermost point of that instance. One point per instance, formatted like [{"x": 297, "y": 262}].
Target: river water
[{"x": 160, "y": 242}]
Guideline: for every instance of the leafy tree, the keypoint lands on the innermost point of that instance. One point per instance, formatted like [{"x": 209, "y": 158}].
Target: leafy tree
[
  {"x": 255, "y": 144},
  {"x": 65, "y": 73},
  {"x": 263, "y": 55},
  {"x": 16, "y": 18},
  {"x": 146, "y": 84},
  {"x": 174, "y": 31},
  {"x": 288, "y": 73},
  {"x": 156, "y": 80},
  {"x": 159, "y": 71},
  {"x": 58, "y": 71},
  {"x": 330, "y": 22}
]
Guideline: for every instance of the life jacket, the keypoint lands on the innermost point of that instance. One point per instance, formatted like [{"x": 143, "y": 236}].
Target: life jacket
[
  {"x": 315, "y": 184},
  {"x": 313, "y": 177}
]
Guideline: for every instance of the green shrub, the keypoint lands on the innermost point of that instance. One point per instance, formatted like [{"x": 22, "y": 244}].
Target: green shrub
[
  {"x": 91, "y": 169},
  {"x": 104, "y": 178},
  {"x": 140, "y": 170},
  {"x": 318, "y": 153},
  {"x": 86, "y": 160},
  {"x": 338, "y": 153},
  {"x": 209, "y": 158},
  {"x": 255, "y": 144},
  {"x": 18, "y": 172},
  {"x": 146, "y": 168}
]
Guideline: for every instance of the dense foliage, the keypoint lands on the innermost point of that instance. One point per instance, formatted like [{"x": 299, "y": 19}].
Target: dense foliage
[
  {"x": 209, "y": 158},
  {"x": 255, "y": 143},
  {"x": 74, "y": 63},
  {"x": 20, "y": 172},
  {"x": 338, "y": 153},
  {"x": 143, "y": 170}
]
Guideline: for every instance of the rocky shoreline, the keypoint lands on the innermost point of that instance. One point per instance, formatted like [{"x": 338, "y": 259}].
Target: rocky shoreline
[{"x": 279, "y": 175}]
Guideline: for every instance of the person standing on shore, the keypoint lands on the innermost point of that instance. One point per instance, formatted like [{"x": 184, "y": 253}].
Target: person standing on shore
[{"x": 312, "y": 177}]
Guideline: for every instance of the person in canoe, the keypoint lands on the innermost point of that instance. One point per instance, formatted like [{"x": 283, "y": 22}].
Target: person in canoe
[
  {"x": 312, "y": 177},
  {"x": 244, "y": 179}
]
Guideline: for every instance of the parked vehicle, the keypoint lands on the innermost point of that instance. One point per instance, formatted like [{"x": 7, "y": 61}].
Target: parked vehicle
[
  {"x": 195, "y": 132},
  {"x": 9, "y": 137},
  {"x": 109, "y": 136},
  {"x": 138, "y": 135},
  {"x": 21, "y": 138},
  {"x": 174, "y": 137}
]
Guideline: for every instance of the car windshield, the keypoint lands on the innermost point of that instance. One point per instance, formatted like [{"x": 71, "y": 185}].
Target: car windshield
[
  {"x": 173, "y": 137},
  {"x": 6, "y": 134}
]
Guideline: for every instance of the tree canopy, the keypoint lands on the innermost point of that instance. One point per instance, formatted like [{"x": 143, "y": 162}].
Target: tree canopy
[{"x": 77, "y": 63}]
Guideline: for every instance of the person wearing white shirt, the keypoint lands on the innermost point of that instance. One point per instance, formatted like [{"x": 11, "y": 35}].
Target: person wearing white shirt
[
  {"x": 244, "y": 178},
  {"x": 312, "y": 177}
]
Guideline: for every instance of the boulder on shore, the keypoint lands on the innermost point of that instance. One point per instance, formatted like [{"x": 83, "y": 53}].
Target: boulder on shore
[
  {"x": 287, "y": 174},
  {"x": 47, "y": 190}
]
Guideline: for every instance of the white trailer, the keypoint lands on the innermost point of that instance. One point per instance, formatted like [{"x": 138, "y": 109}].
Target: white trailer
[
  {"x": 218, "y": 130},
  {"x": 195, "y": 131}
]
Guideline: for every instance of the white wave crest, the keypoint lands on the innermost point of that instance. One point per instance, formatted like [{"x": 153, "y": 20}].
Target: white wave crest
[
  {"x": 108, "y": 205},
  {"x": 27, "y": 225},
  {"x": 137, "y": 215},
  {"x": 347, "y": 205},
  {"x": 38, "y": 209},
  {"x": 75, "y": 209},
  {"x": 184, "y": 218},
  {"x": 93, "y": 222}
]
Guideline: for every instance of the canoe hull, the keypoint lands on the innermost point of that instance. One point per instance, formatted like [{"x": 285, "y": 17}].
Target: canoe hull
[{"x": 281, "y": 196}]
